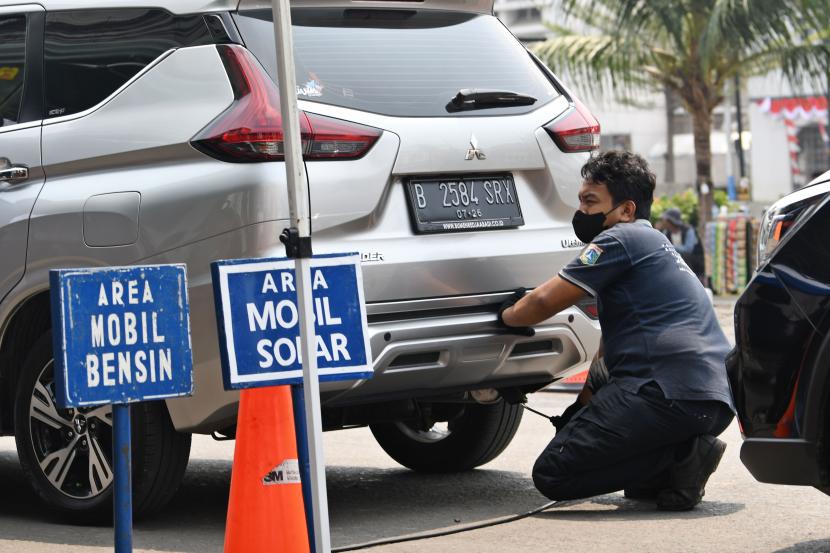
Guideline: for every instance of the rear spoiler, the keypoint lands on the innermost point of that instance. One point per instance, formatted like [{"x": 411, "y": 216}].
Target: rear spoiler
[{"x": 471, "y": 6}]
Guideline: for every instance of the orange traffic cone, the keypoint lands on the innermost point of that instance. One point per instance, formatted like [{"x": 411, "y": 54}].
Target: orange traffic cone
[{"x": 265, "y": 511}]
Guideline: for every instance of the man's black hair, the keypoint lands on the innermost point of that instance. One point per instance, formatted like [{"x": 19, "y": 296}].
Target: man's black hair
[{"x": 627, "y": 177}]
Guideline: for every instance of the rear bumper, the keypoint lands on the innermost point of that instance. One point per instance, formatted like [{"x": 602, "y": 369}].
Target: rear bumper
[
  {"x": 423, "y": 348},
  {"x": 429, "y": 355},
  {"x": 783, "y": 461}
]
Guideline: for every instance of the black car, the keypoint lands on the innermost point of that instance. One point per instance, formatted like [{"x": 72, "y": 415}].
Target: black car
[{"x": 780, "y": 368}]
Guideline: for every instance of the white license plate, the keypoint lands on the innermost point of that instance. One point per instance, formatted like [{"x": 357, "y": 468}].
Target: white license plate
[{"x": 454, "y": 204}]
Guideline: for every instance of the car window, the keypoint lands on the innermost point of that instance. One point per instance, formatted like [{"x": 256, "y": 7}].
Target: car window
[
  {"x": 12, "y": 58},
  {"x": 399, "y": 62},
  {"x": 90, "y": 53}
]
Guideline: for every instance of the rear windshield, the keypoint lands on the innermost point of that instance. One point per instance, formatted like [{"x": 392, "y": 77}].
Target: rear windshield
[{"x": 399, "y": 62}]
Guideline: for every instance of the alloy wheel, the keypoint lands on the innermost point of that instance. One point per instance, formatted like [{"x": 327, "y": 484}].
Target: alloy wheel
[{"x": 72, "y": 446}]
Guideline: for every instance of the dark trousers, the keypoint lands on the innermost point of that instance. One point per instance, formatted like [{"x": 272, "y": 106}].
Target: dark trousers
[{"x": 621, "y": 439}]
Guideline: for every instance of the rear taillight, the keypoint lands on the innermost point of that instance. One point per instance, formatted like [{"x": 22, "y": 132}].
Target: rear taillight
[
  {"x": 250, "y": 130},
  {"x": 337, "y": 139},
  {"x": 576, "y": 131}
]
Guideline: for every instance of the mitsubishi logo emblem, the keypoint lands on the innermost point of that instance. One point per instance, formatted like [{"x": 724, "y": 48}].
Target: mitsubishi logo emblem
[{"x": 474, "y": 151}]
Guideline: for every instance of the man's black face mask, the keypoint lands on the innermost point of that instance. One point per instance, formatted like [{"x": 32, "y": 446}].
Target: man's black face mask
[{"x": 586, "y": 227}]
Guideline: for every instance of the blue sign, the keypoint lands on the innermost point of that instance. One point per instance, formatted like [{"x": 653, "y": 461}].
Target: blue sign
[
  {"x": 258, "y": 318},
  {"x": 120, "y": 334}
]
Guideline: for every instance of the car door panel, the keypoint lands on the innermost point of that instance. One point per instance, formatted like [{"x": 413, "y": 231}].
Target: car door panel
[{"x": 21, "y": 171}]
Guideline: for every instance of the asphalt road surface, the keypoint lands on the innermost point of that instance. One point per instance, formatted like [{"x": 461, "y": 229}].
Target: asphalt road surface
[{"x": 371, "y": 498}]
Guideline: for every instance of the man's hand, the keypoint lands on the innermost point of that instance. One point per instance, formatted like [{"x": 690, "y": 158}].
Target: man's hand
[
  {"x": 559, "y": 421},
  {"x": 518, "y": 294},
  {"x": 542, "y": 303}
]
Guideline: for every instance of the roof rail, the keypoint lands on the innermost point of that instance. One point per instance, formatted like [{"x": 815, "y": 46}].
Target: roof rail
[
  {"x": 173, "y": 6},
  {"x": 473, "y": 6}
]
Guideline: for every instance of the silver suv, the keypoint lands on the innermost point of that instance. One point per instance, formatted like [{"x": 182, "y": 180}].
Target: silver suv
[{"x": 435, "y": 144}]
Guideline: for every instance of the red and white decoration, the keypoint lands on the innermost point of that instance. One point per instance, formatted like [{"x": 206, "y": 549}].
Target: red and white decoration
[
  {"x": 794, "y": 149},
  {"x": 802, "y": 110},
  {"x": 797, "y": 112}
]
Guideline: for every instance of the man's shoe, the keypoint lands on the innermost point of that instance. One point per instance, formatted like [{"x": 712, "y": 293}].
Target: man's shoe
[
  {"x": 648, "y": 490},
  {"x": 688, "y": 477},
  {"x": 641, "y": 493}
]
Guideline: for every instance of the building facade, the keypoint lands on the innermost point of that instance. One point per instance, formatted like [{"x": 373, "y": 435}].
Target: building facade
[
  {"x": 790, "y": 142},
  {"x": 784, "y": 139}
]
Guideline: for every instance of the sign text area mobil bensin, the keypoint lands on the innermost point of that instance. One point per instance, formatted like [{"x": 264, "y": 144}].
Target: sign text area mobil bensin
[{"x": 122, "y": 334}]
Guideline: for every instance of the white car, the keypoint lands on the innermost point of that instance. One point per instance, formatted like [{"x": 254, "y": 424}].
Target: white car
[{"x": 148, "y": 132}]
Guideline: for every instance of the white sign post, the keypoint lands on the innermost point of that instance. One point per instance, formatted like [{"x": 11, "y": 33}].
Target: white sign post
[{"x": 298, "y": 201}]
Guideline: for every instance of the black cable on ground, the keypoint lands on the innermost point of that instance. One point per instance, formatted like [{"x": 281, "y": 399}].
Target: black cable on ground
[
  {"x": 534, "y": 411},
  {"x": 457, "y": 529},
  {"x": 449, "y": 531}
]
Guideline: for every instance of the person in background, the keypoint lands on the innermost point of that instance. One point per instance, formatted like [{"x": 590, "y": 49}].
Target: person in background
[{"x": 685, "y": 240}]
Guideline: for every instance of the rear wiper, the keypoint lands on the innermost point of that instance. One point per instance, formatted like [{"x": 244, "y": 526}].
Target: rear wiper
[{"x": 469, "y": 99}]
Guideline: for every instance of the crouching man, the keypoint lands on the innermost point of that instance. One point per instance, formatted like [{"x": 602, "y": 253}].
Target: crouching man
[{"x": 651, "y": 428}]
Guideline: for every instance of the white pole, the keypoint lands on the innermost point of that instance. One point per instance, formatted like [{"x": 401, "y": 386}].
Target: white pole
[
  {"x": 727, "y": 129},
  {"x": 298, "y": 201}
]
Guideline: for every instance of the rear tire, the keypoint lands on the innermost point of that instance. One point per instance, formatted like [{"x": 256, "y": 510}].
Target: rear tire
[
  {"x": 470, "y": 440},
  {"x": 66, "y": 454}
]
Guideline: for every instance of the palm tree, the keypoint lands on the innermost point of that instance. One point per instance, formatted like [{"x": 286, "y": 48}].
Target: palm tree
[{"x": 691, "y": 47}]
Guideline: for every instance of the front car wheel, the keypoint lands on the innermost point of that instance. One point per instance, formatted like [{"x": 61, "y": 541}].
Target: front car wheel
[{"x": 66, "y": 454}]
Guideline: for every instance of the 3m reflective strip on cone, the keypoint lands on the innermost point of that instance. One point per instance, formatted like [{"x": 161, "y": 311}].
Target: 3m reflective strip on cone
[{"x": 265, "y": 510}]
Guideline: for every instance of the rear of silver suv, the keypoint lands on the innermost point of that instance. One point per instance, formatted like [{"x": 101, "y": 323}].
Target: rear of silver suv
[{"x": 435, "y": 146}]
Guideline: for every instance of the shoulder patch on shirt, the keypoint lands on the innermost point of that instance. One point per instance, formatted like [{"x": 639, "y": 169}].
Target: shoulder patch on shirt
[{"x": 590, "y": 254}]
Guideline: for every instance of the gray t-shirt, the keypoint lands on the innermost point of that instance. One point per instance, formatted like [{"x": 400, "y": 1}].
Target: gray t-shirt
[{"x": 657, "y": 322}]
